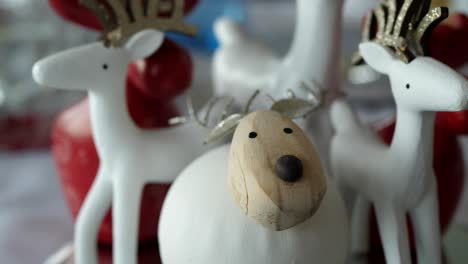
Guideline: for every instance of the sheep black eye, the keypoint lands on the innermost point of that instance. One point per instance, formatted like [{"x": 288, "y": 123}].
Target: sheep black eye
[
  {"x": 288, "y": 130},
  {"x": 105, "y": 67},
  {"x": 408, "y": 86},
  {"x": 253, "y": 135}
]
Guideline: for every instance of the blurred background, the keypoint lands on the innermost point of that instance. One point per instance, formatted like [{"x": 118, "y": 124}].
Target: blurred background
[{"x": 34, "y": 219}]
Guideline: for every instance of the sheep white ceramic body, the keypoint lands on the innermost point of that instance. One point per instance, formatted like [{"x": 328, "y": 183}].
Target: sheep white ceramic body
[
  {"x": 227, "y": 206},
  {"x": 129, "y": 156},
  {"x": 398, "y": 179},
  {"x": 242, "y": 65}
]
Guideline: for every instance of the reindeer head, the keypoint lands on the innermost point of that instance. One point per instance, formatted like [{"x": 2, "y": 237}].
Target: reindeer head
[
  {"x": 133, "y": 29},
  {"x": 424, "y": 84},
  {"x": 402, "y": 25},
  {"x": 275, "y": 173},
  {"x": 399, "y": 50}
]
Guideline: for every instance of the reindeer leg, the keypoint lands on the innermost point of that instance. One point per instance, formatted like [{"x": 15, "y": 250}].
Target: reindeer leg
[
  {"x": 394, "y": 233},
  {"x": 425, "y": 220},
  {"x": 95, "y": 207},
  {"x": 360, "y": 226},
  {"x": 126, "y": 215}
]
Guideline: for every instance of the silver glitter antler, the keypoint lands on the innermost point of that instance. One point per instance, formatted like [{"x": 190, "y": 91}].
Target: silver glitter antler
[
  {"x": 291, "y": 107},
  {"x": 403, "y": 26},
  {"x": 123, "y": 18},
  {"x": 228, "y": 125}
]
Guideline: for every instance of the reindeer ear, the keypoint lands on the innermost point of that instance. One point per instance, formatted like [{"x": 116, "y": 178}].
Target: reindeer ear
[
  {"x": 377, "y": 56},
  {"x": 144, "y": 43}
]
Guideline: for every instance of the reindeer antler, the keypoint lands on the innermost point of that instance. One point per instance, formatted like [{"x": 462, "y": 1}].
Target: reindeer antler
[
  {"x": 123, "y": 18},
  {"x": 293, "y": 108},
  {"x": 403, "y": 26},
  {"x": 106, "y": 18}
]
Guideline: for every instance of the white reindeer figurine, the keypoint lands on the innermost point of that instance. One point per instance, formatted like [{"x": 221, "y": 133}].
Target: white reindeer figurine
[
  {"x": 399, "y": 179},
  {"x": 129, "y": 157},
  {"x": 263, "y": 199},
  {"x": 242, "y": 65}
]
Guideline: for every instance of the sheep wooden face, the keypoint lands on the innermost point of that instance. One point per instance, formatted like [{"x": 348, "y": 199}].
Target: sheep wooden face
[{"x": 275, "y": 172}]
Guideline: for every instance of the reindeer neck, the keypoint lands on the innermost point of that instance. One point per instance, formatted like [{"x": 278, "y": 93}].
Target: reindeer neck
[
  {"x": 110, "y": 118},
  {"x": 315, "y": 50},
  {"x": 414, "y": 137}
]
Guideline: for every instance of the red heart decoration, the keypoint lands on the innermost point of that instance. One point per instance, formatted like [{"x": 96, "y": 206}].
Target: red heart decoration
[{"x": 72, "y": 11}]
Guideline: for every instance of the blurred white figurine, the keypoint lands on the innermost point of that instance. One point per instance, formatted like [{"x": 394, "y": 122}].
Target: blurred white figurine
[
  {"x": 242, "y": 65},
  {"x": 398, "y": 179},
  {"x": 264, "y": 198},
  {"x": 130, "y": 157}
]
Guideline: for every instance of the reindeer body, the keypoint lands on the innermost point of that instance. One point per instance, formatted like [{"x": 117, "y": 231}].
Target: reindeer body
[
  {"x": 130, "y": 157},
  {"x": 242, "y": 65},
  {"x": 122, "y": 143},
  {"x": 387, "y": 165},
  {"x": 202, "y": 223},
  {"x": 398, "y": 179}
]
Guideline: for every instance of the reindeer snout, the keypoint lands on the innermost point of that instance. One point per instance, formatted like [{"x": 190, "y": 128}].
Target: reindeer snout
[{"x": 289, "y": 168}]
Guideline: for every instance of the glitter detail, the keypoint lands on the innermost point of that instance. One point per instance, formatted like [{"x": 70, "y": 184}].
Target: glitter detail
[
  {"x": 407, "y": 34},
  {"x": 124, "y": 18},
  {"x": 368, "y": 25},
  {"x": 380, "y": 15},
  {"x": 429, "y": 21},
  {"x": 392, "y": 9}
]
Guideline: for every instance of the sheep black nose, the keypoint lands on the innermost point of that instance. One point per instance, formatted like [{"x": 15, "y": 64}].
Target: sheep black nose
[{"x": 289, "y": 168}]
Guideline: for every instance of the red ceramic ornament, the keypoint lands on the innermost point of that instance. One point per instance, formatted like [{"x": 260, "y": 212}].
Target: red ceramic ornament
[
  {"x": 449, "y": 41},
  {"x": 165, "y": 74}
]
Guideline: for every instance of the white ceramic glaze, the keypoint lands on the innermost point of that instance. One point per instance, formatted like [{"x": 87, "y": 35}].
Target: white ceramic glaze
[
  {"x": 398, "y": 179},
  {"x": 242, "y": 65},
  {"x": 129, "y": 156},
  {"x": 201, "y": 224}
]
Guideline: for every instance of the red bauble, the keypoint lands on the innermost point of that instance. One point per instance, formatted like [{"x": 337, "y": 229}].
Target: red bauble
[
  {"x": 77, "y": 160},
  {"x": 165, "y": 74},
  {"x": 24, "y": 131},
  {"x": 449, "y": 41},
  {"x": 449, "y": 170},
  {"x": 72, "y": 11}
]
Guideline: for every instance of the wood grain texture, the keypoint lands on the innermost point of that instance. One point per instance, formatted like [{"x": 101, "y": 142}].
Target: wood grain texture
[{"x": 256, "y": 188}]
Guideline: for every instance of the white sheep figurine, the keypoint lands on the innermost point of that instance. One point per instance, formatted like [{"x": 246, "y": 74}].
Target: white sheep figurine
[{"x": 262, "y": 199}]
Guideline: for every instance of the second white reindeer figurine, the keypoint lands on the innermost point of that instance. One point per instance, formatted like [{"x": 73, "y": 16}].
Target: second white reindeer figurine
[
  {"x": 265, "y": 198},
  {"x": 129, "y": 157},
  {"x": 399, "y": 179},
  {"x": 242, "y": 64}
]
